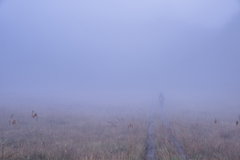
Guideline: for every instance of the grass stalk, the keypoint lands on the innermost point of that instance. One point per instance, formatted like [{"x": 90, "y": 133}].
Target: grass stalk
[{"x": 2, "y": 151}]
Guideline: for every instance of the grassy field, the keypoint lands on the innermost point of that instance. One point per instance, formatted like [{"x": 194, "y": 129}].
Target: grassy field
[{"x": 117, "y": 132}]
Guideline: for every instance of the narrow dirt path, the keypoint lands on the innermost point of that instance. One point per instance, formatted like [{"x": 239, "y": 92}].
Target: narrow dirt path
[
  {"x": 150, "y": 149},
  {"x": 150, "y": 142},
  {"x": 171, "y": 138}
]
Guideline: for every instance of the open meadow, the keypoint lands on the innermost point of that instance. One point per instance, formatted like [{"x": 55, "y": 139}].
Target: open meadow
[
  {"x": 113, "y": 131},
  {"x": 120, "y": 80}
]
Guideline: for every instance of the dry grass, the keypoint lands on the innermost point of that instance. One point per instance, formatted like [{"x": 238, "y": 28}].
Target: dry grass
[{"x": 113, "y": 132}]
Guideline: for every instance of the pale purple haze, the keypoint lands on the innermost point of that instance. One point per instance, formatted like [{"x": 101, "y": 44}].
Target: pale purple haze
[{"x": 128, "y": 50}]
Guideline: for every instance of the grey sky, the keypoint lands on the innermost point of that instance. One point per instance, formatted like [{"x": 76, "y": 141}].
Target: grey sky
[{"x": 67, "y": 47}]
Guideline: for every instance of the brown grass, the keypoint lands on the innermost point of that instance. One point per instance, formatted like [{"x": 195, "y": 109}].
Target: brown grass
[{"x": 113, "y": 132}]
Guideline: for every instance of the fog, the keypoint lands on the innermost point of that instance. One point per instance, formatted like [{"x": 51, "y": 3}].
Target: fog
[{"x": 119, "y": 51}]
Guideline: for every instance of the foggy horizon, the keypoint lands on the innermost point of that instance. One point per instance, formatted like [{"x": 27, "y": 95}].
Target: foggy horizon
[
  {"x": 115, "y": 80},
  {"x": 123, "y": 51}
]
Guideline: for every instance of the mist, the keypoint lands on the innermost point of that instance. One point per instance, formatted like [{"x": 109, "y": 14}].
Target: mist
[
  {"x": 129, "y": 79},
  {"x": 107, "y": 51}
]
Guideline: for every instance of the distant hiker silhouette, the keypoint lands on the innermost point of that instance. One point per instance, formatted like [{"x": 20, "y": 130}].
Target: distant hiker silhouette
[{"x": 161, "y": 99}]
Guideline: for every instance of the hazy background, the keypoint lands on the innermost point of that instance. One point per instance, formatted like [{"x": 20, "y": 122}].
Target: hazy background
[{"x": 114, "y": 51}]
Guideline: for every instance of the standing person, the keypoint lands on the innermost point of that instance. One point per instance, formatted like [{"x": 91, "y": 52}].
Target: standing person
[{"x": 161, "y": 99}]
